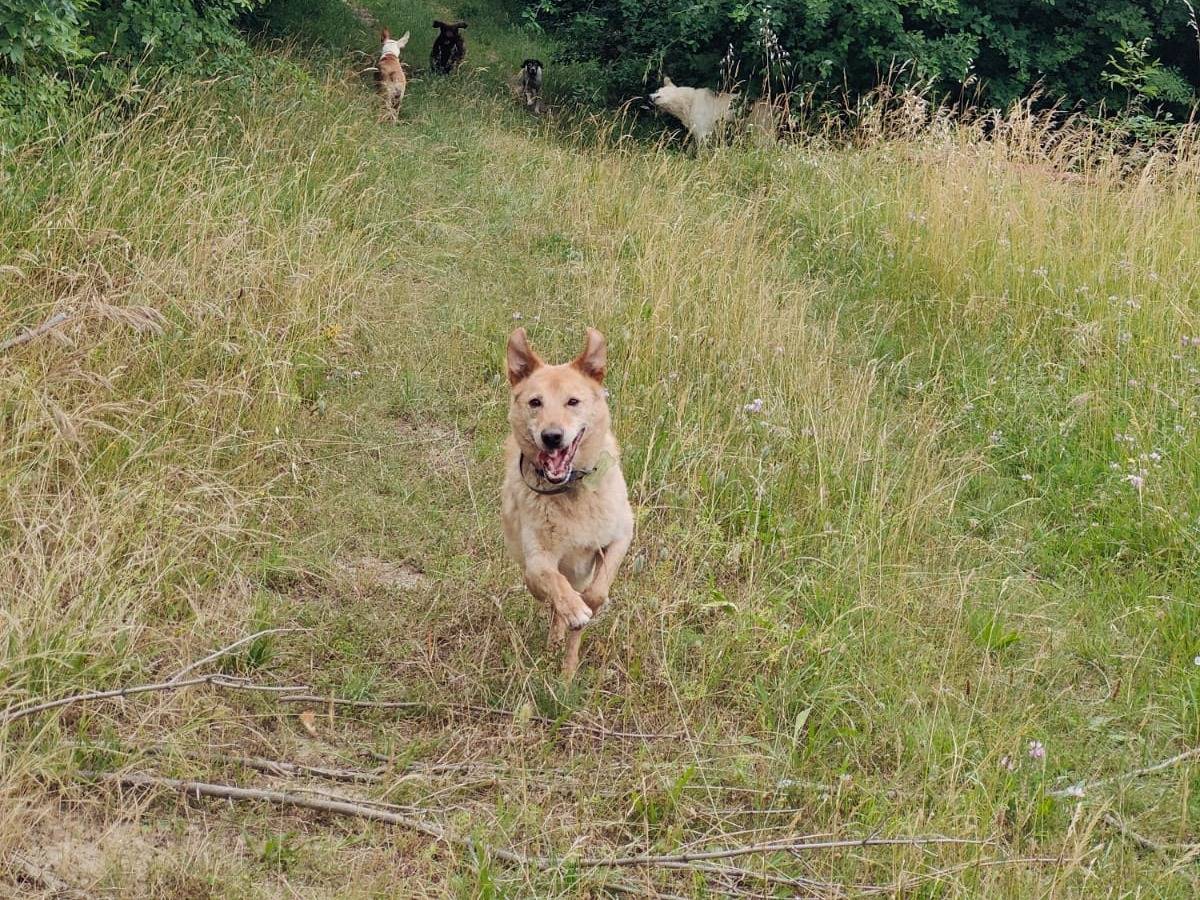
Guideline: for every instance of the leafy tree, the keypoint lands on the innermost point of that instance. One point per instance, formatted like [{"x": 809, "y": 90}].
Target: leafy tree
[{"x": 1007, "y": 48}]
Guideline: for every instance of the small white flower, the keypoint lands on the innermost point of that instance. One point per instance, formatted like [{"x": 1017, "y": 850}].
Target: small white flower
[
  {"x": 754, "y": 407},
  {"x": 1196, "y": 661},
  {"x": 1037, "y": 750},
  {"x": 995, "y": 437},
  {"x": 1026, "y": 477},
  {"x": 517, "y": 316},
  {"x": 1138, "y": 481}
]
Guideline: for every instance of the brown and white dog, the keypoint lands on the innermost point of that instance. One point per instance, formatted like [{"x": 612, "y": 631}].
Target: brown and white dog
[
  {"x": 389, "y": 74},
  {"x": 564, "y": 504}
]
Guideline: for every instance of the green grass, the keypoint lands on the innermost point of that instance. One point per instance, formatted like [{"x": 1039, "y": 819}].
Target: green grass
[{"x": 857, "y": 608}]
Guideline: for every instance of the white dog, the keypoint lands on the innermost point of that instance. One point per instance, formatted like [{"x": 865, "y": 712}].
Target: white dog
[{"x": 699, "y": 109}]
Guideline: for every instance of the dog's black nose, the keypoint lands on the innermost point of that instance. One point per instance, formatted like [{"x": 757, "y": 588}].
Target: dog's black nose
[{"x": 552, "y": 438}]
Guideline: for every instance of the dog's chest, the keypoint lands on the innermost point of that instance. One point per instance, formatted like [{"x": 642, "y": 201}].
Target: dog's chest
[{"x": 587, "y": 521}]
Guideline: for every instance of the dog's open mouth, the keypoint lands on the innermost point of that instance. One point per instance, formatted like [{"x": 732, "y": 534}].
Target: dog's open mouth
[{"x": 556, "y": 464}]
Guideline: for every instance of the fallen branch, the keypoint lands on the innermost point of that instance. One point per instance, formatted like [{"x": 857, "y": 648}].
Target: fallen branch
[
  {"x": 791, "y": 845},
  {"x": 1144, "y": 842},
  {"x": 222, "y": 681},
  {"x": 285, "y": 769},
  {"x": 219, "y": 653},
  {"x": 583, "y": 727},
  {"x": 354, "y": 809},
  {"x": 35, "y": 872},
  {"x": 1125, "y": 831},
  {"x": 37, "y": 331},
  {"x": 1081, "y": 788}
]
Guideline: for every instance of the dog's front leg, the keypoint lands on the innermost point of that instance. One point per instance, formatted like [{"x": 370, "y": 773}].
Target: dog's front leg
[
  {"x": 549, "y": 585},
  {"x": 610, "y": 558}
]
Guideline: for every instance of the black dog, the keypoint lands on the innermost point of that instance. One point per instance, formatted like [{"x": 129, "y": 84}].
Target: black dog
[
  {"x": 448, "y": 50},
  {"x": 530, "y": 82}
]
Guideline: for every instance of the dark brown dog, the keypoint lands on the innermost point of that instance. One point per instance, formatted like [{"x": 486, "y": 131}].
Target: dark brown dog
[{"x": 449, "y": 49}]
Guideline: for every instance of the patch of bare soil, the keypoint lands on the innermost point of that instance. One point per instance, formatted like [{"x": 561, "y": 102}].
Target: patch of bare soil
[
  {"x": 444, "y": 450},
  {"x": 370, "y": 572}
]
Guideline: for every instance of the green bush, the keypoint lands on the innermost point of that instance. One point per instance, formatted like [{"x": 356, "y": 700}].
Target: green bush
[
  {"x": 49, "y": 35},
  {"x": 1004, "y": 49}
]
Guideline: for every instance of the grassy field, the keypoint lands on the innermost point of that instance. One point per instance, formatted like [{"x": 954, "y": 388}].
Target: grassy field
[{"x": 941, "y": 576}]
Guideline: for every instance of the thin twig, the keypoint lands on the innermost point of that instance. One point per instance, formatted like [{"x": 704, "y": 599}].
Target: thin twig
[
  {"x": 791, "y": 845},
  {"x": 598, "y": 730},
  {"x": 1144, "y": 842},
  {"x": 219, "y": 653},
  {"x": 349, "y": 808},
  {"x": 44, "y": 876},
  {"x": 286, "y": 769},
  {"x": 1080, "y": 789},
  {"x": 37, "y": 331},
  {"x": 222, "y": 681}
]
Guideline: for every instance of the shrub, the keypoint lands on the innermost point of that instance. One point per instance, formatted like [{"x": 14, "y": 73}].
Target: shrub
[
  {"x": 49, "y": 35},
  {"x": 1005, "y": 49}
]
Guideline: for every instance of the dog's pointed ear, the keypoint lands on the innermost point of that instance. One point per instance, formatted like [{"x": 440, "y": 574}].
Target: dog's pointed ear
[
  {"x": 522, "y": 361},
  {"x": 594, "y": 358},
  {"x": 461, "y": 25},
  {"x": 385, "y": 35},
  {"x": 403, "y": 42},
  {"x": 438, "y": 23},
  {"x": 667, "y": 82}
]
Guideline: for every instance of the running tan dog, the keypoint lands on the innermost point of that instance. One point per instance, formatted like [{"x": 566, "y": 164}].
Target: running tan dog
[
  {"x": 389, "y": 74},
  {"x": 564, "y": 504}
]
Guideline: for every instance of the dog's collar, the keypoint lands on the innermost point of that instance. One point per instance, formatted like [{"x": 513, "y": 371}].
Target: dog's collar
[{"x": 576, "y": 478}]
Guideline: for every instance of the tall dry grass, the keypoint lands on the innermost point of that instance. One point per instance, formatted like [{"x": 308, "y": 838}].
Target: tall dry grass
[{"x": 910, "y": 559}]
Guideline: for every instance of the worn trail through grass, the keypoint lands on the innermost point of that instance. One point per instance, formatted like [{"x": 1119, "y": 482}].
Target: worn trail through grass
[{"x": 909, "y": 427}]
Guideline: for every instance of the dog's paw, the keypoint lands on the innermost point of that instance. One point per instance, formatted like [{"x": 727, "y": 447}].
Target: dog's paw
[
  {"x": 595, "y": 602},
  {"x": 574, "y": 611}
]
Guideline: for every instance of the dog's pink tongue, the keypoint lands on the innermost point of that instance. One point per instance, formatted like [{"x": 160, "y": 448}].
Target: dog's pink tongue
[{"x": 555, "y": 464}]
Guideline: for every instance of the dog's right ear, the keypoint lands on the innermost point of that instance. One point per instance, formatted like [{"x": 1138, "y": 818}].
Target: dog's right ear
[
  {"x": 438, "y": 23},
  {"x": 461, "y": 25},
  {"x": 403, "y": 42},
  {"x": 385, "y": 35},
  {"x": 522, "y": 361},
  {"x": 667, "y": 82}
]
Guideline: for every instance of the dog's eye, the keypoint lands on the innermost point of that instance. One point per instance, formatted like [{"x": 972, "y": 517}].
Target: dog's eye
[
  {"x": 574, "y": 401},
  {"x": 535, "y": 402}
]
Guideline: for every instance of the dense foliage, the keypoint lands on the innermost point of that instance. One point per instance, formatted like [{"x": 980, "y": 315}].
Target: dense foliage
[
  {"x": 1002, "y": 48},
  {"x": 49, "y": 34}
]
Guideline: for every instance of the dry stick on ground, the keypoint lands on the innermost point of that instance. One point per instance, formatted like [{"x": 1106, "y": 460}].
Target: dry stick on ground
[
  {"x": 598, "y": 730},
  {"x": 192, "y": 667},
  {"x": 1144, "y": 842},
  {"x": 222, "y": 681},
  {"x": 44, "y": 876},
  {"x": 37, "y": 331},
  {"x": 298, "y": 770},
  {"x": 437, "y": 832},
  {"x": 1081, "y": 788}
]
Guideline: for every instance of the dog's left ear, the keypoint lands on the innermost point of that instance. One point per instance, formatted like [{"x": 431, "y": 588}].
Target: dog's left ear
[
  {"x": 403, "y": 42},
  {"x": 385, "y": 35},
  {"x": 461, "y": 25},
  {"x": 594, "y": 358}
]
